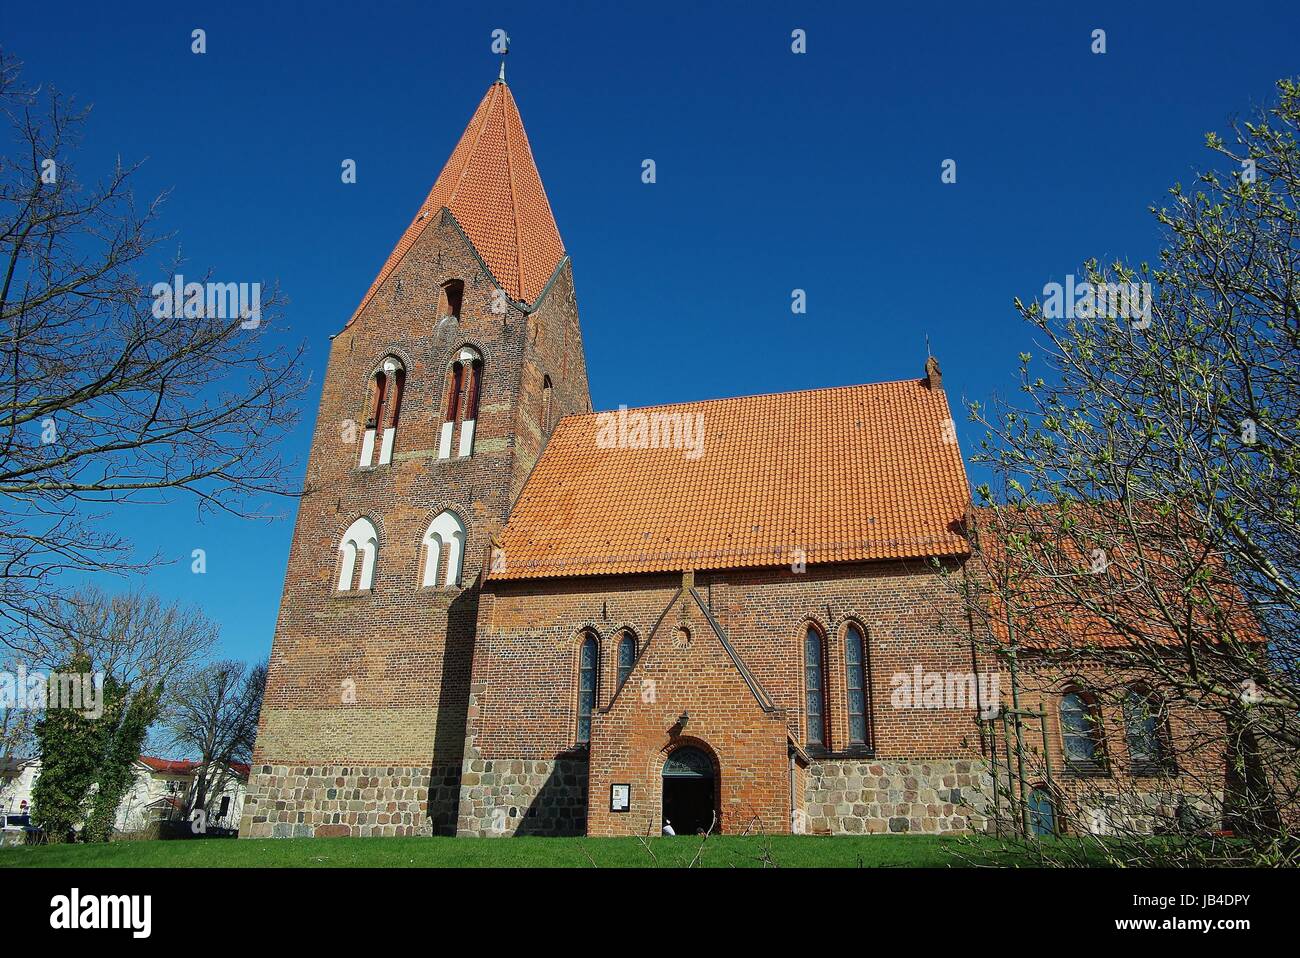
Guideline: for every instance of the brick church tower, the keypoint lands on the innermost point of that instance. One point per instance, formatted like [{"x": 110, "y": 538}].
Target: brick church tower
[{"x": 439, "y": 396}]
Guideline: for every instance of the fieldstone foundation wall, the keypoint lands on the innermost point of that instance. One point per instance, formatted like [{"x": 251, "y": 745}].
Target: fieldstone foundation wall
[
  {"x": 296, "y": 801},
  {"x": 502, "y": 797},
  {"x": 847, "y": 797}
]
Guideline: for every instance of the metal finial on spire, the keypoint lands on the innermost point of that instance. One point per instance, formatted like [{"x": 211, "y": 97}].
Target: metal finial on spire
[{"x": 501, "y": 45}]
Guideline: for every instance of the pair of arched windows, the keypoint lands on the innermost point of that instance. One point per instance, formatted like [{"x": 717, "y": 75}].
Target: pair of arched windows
[
  {"x": 464, "y": 384},
  {"x": 816, "y": 709},
  {"x": 589, "y": 675},
  {"x": 1083, "y": 737},
  {"x": 443, "y": 549},
  {"x": 383, "y": 406}
]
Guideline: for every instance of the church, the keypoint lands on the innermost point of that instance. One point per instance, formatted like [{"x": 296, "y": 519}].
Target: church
[{"x": 506, "y": 613}]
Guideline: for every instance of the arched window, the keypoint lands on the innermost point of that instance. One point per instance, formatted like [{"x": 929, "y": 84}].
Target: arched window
[
  {"x": 449, "y": 299},
  {"x": 383, "y": 407},
  {"x": 444, "y": 543},
  {"x": 814, "y": 663},
  {"x": 1144, "y": 733},
  {"x": 588, "y": 679},
  {"x": 547, "y": 399},
  {"x": 855, "y": 671},
  {"x": 360, "y": 539},
  {"x": 626, "y": 656},
  {"x": 1081, "y": 734},
  {"x": 464, "y": 385}
]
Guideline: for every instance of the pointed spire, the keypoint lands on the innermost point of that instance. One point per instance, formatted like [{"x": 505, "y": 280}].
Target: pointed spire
[
  {"x": 501, "y": 77},
  {"x": 492, "y": 187}
]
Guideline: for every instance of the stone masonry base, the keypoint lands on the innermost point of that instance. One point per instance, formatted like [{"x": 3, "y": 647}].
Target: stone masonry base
[
  {"x": 866, "y": 796},
  {"x": 296, "y": 801},
  {"x": 501, "y": 797}
]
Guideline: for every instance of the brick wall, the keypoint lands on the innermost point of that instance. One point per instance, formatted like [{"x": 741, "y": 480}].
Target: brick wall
[{"x": 525, "y": 670}]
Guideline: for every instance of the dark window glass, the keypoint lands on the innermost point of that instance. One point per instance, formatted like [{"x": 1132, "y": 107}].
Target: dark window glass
[
  {"x": 626, "y": 657},
  {"x": 815, "y": 688},
  {"x": 1079, "y": 730},
  {"x": 471, "y": 395},
  {"x": 856, "y": 674},
  {"x": 1142, "y": 731},
  {"x": 588, "y": 668},
  {"x": 395, "y": 400},
  {"x": 453, "y": 392},
  {"x": 377, "y": 386}
]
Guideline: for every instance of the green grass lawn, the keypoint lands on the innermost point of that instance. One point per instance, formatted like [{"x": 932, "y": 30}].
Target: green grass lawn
[{"x": 797, "y": 851}]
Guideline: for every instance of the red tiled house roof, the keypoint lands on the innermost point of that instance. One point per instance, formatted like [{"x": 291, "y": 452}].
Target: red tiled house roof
[
  {"x": 184, "y": 766},
  {"x": 1046, "y": 611},
  {"x": 169, "y": 766},
  {"x": 492, "y": 188},
  {"x": 843, "y": 474}
]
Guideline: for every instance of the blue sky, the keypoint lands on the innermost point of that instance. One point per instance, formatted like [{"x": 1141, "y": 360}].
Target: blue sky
[{"x": 776, "y": 171}]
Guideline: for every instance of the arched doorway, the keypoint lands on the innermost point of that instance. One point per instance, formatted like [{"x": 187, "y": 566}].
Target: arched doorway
[
  {"x": 1042, "y": 812},
  {"x": 690, "y": 791}
]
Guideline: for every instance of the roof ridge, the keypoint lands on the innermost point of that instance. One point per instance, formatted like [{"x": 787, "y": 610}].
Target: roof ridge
[
  {"x": 514, "y": 192},
  {"x": 767, "y": 395}
]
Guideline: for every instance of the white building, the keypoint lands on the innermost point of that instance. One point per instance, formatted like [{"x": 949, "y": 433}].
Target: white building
[
  {"x": 162, "y": 785},
  {"x": 17, "y": 776},
  {"x": 158, "y": 792}
]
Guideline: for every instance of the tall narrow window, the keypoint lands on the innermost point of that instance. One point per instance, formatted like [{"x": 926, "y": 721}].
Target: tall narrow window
[
  {"x": 383, "y": 408},
  {"x": 547, "y": 398},
  {"x": 361, "y": 540},
  {"x": 453, "y": 291},
  {"x": 856, "y": 674},
  {"x": 444, "y": 550},
  {"x": 588, "y": 674},
  {"x": 626, "y": 656},
  {"x": 453, "y": 391},
  {"x": 472, "y": 390},
  {"x": 814, "y": 687},
  {"x": 1143, "y": 733},
  {"x": 464, "y": 387},
  {"x": 392, "y": 409},
  {"x": 1081, "y": 732}
]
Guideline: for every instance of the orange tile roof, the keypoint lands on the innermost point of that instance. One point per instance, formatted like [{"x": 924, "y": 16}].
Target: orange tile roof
[
  {"x": 844, "y": 474},
  {"x": 492, "y": 187}
]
